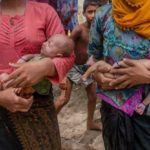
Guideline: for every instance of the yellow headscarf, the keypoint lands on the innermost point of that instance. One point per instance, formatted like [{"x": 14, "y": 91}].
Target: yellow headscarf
[{"x": 133, "y": 14}]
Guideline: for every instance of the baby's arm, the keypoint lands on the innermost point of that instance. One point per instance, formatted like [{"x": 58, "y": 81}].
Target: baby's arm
[
  {"x": 90, "y": 71},
  {"x": 26, "y": 58},
  {"x": 100, "y": 66}
]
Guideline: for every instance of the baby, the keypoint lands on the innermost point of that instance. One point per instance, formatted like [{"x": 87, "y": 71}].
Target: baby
[
  {"x": 56, "y": 46},
  {"x": 140, "y": 108}
]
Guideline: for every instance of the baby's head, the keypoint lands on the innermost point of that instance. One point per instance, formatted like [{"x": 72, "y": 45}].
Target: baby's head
[{"x": 58, "y": 45}]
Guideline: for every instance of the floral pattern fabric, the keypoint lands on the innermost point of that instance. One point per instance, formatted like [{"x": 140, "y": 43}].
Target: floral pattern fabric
[
  {"x": 67, "y": 10},
  {"x": 109, "y": 42}
]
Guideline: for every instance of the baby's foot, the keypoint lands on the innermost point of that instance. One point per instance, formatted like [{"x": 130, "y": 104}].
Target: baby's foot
[{"x": 140, "y": 108}]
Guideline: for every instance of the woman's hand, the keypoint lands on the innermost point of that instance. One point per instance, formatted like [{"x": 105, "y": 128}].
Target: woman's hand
[
  {"x": 14, "y": 103},
  {"x": 132, "y": 72},
  {"x": 30, "y": 73},
  {"x": 103, "y": 81},
  {"x": 99, "y": 71}
]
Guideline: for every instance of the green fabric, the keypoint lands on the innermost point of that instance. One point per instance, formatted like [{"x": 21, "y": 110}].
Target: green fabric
[{"x": 43, "y": 87}]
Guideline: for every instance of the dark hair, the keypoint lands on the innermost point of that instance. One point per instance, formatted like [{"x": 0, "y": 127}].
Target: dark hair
[{"x": 90, "y": 2}]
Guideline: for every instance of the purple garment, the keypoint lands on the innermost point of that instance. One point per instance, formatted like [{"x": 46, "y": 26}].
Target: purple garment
[{"x": 129, "y": 106}]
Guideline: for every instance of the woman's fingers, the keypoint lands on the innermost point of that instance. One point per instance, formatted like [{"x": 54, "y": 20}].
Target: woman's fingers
[
  {"x": 15, "y": 65},
  {"x": 123, "y": 85},
  {"x": 17, "y": 81},
  {"x": 120, "y": 71},
  {"x": 102, "y": 81},
  {"x": 22, "y": 104},
  {"x": 25, "y": 104},
  {"x": 23, "y": 84},
  {"x": 119, "y": 81},
  {"x": 129, "y": 62},
  {"x": 12, "y": 76}
]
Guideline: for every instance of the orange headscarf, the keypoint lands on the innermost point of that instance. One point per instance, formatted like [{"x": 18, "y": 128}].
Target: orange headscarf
[{"x": 133, "y": 14}]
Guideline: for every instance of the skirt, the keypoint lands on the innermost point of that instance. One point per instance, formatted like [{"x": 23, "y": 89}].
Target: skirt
[
  {"x": 36, "y": 129},
  {"x": 122, "y": 132}
]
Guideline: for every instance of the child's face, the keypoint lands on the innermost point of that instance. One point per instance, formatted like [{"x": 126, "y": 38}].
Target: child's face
[
  {"x": 90, "y": 12},
  {"x": 50, "y": 48}
]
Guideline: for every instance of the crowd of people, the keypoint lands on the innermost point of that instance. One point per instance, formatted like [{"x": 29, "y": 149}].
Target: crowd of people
[{"x": 42, "y": 43}]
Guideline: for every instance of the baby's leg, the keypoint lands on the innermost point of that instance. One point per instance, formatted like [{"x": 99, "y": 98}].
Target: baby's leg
[
  {"x": 89, "y": 72},
  {"x": 141, "y": 107}
]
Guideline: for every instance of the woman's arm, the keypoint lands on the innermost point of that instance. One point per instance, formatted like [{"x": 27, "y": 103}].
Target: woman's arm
[
  {"x": 95, "y": 49},
  {"x": 30, "y": 73}
]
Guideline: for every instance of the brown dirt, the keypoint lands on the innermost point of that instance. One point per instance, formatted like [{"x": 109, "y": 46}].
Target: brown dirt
[{"x": 72, "y": 123}]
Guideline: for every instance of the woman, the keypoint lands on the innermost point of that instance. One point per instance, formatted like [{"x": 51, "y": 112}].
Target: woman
[
  {"x": 34, "y": 123},
  {"x": 68, "y": 12},
  {"x": 122, "y": 31}
]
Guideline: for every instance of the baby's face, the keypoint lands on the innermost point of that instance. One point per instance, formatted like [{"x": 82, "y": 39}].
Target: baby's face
[{"x": 50, "y": 48}]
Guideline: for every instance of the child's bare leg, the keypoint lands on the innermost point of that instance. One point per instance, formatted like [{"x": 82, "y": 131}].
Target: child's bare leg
[
  {"x": 141, "y": 107},
  {"x": 91, "y": 94},
  {"x": 64, "y": 97}
]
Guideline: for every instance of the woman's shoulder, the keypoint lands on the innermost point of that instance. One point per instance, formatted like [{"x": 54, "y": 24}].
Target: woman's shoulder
[{"x": 40, "y": 7}]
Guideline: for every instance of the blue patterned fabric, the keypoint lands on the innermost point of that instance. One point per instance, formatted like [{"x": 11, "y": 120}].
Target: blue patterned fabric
[
  {"x": 109, "y": 42},
  {"x": 68, "y": 10}
]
